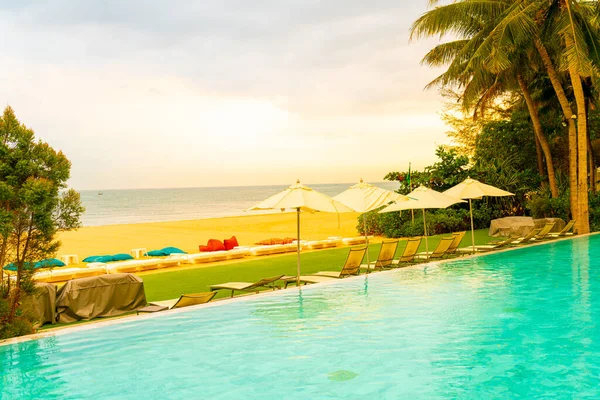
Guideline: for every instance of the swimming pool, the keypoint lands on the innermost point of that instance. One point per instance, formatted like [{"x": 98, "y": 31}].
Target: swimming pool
[{"x": 519, "y": 323}]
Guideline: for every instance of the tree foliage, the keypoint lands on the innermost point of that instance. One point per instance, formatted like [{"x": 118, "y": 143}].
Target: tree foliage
[{"x": 34, "y": 206}]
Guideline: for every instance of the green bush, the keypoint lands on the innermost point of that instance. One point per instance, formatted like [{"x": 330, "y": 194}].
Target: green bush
[
  {"x": 594, "y": 202},
  {"x": 541, "y": 205}
]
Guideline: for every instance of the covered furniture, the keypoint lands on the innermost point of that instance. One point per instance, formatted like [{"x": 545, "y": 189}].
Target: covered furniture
[
  {"x": 44, "y": 303},
  {"x": 511, "y": 226},
  {"x": 559, "y": 224},
  {"x": 99, "y": 296}
]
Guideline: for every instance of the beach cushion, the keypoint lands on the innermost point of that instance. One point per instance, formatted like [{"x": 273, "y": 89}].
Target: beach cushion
[
  {"x": 213, "y": 245},
  {"x": 230, "y": 244},
  {"x": 216, "y": 245},
  {"x": 172, "y": 250},
  {"x": 122, "y": 257},
  {"x": 102, "y": 259},
  {"x": 155, "y": 253}
]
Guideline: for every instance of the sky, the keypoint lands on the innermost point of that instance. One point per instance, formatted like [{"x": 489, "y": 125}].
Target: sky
[{"x": 151, "y": 94}]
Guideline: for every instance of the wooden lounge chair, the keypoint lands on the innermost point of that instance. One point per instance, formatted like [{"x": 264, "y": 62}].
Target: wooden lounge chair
[
  {"x": 248, "y": 286},
  {"x": 490, "y": 246},
  {"x": 458, "y": 237},
  {"x": 527, "y": 238},
  {"x": 184, "y": 300},
  {"x": 439, "y": 252},
  {"x": 385, "y": 257},
  {"x": 409, "y": 253},
  {"x": 566, "y": 230},
  {"x": 351, "y": 267},
  {"x": 544, "y": 232}
]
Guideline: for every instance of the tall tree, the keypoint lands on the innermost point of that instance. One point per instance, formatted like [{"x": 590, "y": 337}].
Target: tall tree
[
  {"x": 513, "y": 27},
  {"x": 35, "y": 207},
  {"x": 474, "y": 64}
]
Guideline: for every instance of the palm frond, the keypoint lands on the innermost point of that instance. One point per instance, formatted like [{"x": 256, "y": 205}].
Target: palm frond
[{"x": 463, "y": 19}]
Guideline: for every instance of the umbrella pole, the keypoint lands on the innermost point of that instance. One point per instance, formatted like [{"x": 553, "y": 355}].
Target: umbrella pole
[
  {"x": 425, "y": 232},
  {"x": 367, "y": 242},
  {"x": 472, "y": 232},
  {"x": 298, "y": 243}
]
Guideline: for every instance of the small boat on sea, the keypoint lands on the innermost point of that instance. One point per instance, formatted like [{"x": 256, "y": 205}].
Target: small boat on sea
[{"x": 100, "y": 193}]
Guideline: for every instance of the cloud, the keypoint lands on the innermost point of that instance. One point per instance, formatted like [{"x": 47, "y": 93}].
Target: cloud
[{"x": 300, "y": 79}]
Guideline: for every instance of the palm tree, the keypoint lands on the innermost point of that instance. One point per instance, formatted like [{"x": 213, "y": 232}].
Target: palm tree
[
  {"x": 471, "y": 66},
  {"x": 513, "y": 27}
]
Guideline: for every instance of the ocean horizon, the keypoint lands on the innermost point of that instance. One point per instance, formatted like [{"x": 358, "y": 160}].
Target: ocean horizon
[{"x": 129, "y": 206}]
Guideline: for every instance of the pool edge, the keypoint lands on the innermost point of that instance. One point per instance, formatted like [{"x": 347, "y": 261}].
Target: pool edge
[{"x": 126, "y": 319}]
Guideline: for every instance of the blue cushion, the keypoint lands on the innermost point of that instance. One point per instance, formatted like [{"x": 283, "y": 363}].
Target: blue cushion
[
  {"x": 156, "y": 253},
  {"x": 121, "y": 257},
  {"x": 172, "y": 250},
  {"x": 96, "y": 258},
  {"x": 49, "y": 262}
]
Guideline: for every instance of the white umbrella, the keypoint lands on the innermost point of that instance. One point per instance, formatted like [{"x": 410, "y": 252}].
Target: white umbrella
[
  {"x": 301, "y": 198},
  {"x": 422, "y": 198},
  {"x": 364, "y": 197},
  {"x": 473, "y": 189}
]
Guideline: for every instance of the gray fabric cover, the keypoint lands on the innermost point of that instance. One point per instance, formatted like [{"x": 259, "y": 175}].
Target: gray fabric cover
[
  {"x": 511, "y": 226},
  {"x": 44, "y": 303},
  {"x": 559, "y": 224},
  {"x": 521, "y": 226},
  {"x": 100, "y": 296}
]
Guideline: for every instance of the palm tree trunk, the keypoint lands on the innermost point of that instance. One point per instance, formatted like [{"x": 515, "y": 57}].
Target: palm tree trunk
[
  {"x": 539, "y": 135},
  {"x": 540, "y": 159},
  {"x": 591, "y": 158},
  {"x": 583, "y": 219},
  {"x": 592, "y": 162},
  {"x": 568, "y": 114}
]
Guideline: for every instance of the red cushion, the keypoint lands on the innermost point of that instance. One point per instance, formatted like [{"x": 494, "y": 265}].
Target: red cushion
[
  {"x": 230, "y": 243},
  {"x": 215, "y": 245},
  {"x": 204, "y": 248}
]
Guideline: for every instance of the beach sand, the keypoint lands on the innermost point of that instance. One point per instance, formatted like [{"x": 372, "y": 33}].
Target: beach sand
[{"x": 188, "y": 235}]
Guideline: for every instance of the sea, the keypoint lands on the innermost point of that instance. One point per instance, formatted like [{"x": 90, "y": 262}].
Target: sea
[{"x": 128, "y": 206}]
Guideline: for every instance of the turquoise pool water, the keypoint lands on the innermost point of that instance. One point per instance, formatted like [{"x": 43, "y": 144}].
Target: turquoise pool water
[{"x": 517, "y": 324}]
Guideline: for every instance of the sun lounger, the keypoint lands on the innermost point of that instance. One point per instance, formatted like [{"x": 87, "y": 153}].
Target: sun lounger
[
  {"x": 354, "y": 240},
  {"x": 566, "y": 230},
  {"x": 91, "y": 270},
  {"x": 385, "y": 257},
  {"x": 248, "y": 286},
  {"x": 458, "y": 237},
  {"x": 61, "y": 275},
  {"x": 544, "y": 232},
  {"x": 130, "y": 266},
  {"x": 409, "y": 253},
  {"x": 488, "y": 247},
  {"x": 238, "y": 252},
  {"x": 351, "y": 267},
  {"x": 527, "y": 238},
  {"x": 198, "y": 258},
  {"x": 184, "y": 300},
  {"x": 439, "y": 252}
]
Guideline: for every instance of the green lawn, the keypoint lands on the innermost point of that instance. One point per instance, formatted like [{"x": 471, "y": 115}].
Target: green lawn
[{"x": 171, "y": 284}]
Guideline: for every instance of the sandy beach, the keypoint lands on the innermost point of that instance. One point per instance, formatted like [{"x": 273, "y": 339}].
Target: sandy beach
[{"x": 188, "y": 235}]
